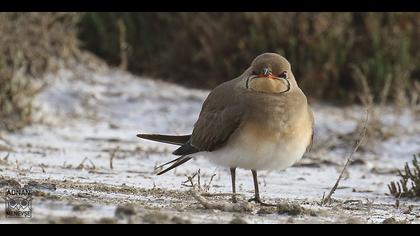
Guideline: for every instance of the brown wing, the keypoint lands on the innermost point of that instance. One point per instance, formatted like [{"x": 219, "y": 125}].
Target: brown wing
[{"x": 220, "y": 116}]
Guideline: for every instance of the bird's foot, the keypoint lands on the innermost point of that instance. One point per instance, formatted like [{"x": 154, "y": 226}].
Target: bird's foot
[{"x": 258, "y": 201}]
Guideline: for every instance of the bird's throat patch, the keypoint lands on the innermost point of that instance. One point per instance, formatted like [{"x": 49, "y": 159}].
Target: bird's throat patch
[{"x": 267, "y": 85}]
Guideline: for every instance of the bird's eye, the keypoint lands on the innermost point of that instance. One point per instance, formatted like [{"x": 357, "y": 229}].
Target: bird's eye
[{"x": 283, "y": 75}]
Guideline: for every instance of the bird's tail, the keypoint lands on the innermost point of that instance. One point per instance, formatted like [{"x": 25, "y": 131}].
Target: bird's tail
[
  {"x": 177, "y": 162},
  {"x": 170, "y": 139}
]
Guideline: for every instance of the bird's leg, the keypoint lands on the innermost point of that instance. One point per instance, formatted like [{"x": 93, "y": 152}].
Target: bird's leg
[
  {"x": 233, "y": 177},
  {"x": 257, "y": 198}
]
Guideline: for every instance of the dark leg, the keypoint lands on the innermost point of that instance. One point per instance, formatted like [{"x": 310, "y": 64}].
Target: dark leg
[
  {"x": 233, "y": 177},
  {"x": 257, "y": 198}
]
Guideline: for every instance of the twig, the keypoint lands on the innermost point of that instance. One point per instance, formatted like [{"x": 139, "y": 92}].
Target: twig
[
  {"x": 207, "y": 186},
  {"x": 199, "y": 179},
  {"x": 349, "y": 159},
  {"x": 113, "y": 155},
  {"x": 81, "y": 165},
  {"x": 222, "y": 206},
  {"x": 190, "y": 180}
]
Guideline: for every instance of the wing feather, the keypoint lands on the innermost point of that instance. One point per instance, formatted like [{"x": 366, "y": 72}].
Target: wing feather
[{"x": 220, "y": 116}]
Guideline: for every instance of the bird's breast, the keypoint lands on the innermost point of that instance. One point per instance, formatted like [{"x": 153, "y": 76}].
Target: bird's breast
[{"x": 261, "y": 145}]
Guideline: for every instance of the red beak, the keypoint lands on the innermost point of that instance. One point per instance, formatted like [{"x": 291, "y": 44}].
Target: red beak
[{"x": 269, "y": 75}]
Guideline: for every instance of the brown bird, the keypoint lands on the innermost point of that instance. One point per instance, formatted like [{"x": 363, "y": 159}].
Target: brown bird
[{"x": 258, "y": 121}]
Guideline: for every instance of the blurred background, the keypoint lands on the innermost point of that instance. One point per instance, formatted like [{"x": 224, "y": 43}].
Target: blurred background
[
  {"x": 336, "y": 57},
  {"x": 76, "y": 88}
]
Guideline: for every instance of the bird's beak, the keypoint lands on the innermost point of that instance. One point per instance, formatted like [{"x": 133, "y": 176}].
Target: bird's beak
[{"x": 267, "y": 73}]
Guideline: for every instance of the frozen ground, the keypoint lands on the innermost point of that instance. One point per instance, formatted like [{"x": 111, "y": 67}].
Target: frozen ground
[{"x": 87, "y": 120}]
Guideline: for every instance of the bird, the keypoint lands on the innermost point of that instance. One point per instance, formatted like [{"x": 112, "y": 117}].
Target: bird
[{"x": 258, "y": 121}]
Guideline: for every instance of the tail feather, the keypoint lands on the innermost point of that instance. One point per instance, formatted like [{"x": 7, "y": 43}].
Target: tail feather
[
  {"x": 185, "y": 149},
  {"x": 169, "y": 139},
  {"x": 179, "y": 161},
  {"x": 181, "y": 140}
]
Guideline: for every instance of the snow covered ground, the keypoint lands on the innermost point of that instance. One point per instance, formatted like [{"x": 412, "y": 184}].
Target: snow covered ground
[{"x": 87, "y": 165}]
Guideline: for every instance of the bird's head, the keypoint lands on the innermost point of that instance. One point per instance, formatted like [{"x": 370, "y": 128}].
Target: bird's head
[{"x": 270, "y": 73}]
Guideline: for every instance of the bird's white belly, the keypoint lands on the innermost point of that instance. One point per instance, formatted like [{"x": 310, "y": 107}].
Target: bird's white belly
[{"x": 250, "y": 152}]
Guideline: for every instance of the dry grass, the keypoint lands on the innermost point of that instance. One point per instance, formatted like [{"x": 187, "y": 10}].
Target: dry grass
[
  {"x": 409, "y": 184},
  {"x": 203, "y": 49},
  {"x": 376, "y": 129},
  {"x": 31, "y": 44}
]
